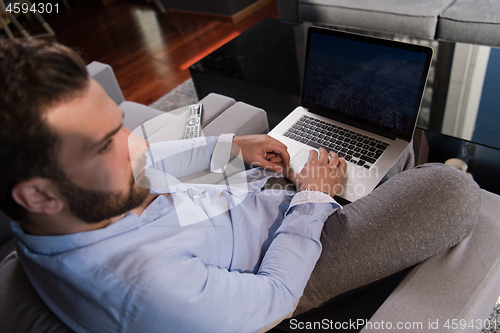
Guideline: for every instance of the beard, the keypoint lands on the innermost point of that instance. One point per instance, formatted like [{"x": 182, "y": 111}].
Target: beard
[{"x": 93, "y": 206}]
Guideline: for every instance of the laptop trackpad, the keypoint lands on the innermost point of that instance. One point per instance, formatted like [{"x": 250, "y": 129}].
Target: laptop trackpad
[{"x": 299, "y": 160}]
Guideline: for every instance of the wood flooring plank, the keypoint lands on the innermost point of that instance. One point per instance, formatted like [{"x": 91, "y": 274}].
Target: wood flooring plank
[{"x": 149, "y": 51}]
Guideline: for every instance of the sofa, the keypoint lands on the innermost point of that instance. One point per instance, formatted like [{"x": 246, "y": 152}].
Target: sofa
[
  {"x": 461, "y": 283},
  {"x": 464, "y": 21}
]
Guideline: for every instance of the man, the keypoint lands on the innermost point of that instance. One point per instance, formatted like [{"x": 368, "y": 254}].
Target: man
[{"x": 107, "y": 255}]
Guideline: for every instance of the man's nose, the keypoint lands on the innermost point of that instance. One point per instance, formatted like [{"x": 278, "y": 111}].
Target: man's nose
[{"x": 137, "y": 147}]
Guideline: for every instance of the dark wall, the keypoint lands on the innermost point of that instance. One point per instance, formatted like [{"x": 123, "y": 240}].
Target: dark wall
[{"x": 220, "y": 7}]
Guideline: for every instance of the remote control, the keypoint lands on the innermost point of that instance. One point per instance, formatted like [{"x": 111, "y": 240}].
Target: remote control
[{"x": 193, "y": 121}]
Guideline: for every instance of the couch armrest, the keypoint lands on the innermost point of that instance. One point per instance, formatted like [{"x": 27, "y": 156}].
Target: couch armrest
[
  {"x": 213, "y": 105},
  {"x": 240, "y": 119},
  {"x": 104, "y": 74},
  {"x": 461, "y": 283},
  {"x": 136, "y": 114},
  {"x": 288, "y": 10}
]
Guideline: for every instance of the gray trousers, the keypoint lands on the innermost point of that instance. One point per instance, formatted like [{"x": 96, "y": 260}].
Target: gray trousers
[{"x": 411, "y": 217}]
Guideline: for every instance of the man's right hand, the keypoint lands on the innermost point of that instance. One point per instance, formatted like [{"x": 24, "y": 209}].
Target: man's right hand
[{"x": 322, "y": 173}]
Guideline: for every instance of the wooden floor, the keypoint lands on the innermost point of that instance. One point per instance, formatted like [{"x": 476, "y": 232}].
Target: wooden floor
[{"x": 150, "y": 52}]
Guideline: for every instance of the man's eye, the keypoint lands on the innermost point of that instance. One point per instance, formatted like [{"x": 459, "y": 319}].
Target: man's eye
[{"x": 106, "y": 147}]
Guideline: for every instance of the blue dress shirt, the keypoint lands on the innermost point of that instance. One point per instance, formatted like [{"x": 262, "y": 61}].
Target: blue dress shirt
[{"x": 236, "y": 271}]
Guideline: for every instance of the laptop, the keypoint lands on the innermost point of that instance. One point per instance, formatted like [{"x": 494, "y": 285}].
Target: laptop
[{"x": 360, "y": 97}]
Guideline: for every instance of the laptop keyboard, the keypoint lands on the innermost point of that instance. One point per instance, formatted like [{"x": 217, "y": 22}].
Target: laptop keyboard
[{"x": 354, "y": 147}]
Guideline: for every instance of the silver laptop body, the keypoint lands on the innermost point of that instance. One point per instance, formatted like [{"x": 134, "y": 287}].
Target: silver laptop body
[{"x": 360, "y": 97}]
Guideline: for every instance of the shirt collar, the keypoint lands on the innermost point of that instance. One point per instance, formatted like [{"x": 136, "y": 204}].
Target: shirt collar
[{"x": 49, "y": 245}]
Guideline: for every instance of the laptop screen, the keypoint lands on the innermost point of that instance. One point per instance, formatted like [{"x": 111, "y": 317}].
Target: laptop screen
[{"x": 369, "y": 82}]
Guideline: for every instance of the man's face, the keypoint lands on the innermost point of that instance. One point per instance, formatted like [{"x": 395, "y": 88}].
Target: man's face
[{"x": 98, "y": 183}]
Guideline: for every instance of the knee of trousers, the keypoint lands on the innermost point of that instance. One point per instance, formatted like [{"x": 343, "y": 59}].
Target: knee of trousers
[
  {"x": 454, "y": 188},
  {"x": 454, "y": 180}
]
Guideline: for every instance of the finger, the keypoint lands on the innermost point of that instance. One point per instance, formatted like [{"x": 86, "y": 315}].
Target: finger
[
  {"x": 323, "y": 155},
  {"x": 334, "y": 159},
  {"x": 313, "y": 156},
  {"x": 274, "y": 159},
  {"x": 281, "y": 150},
  {"x": 285, "y": 158},
  {"x": 269, "y": 156},
  {"x": 277, "y": 147},
  {"x": 341, "y": 168}
]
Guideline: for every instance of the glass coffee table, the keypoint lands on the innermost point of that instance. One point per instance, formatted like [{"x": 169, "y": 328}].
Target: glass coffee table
[{"x": 459, "y": 118}]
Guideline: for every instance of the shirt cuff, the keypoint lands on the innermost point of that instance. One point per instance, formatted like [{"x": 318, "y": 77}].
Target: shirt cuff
[
  {"x": 221, "y": 153},
  {"x": 304, "y": 197},
  {"x": 313, "y": 204}
]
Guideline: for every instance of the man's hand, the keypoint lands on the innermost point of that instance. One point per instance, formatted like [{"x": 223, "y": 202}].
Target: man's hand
[
  {"x": 263, "y": 151},
  {"x": 320, "y": 174}
]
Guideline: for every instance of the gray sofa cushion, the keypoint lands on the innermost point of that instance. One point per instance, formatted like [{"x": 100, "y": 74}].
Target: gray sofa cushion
[
  {"x": 21, "y": 309},
  {"x": 413, "y": 18},
  {"x": 471, "y": 21}
]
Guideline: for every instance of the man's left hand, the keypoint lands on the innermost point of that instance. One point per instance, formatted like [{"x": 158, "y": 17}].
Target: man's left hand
[{"x": 263, "y": 151}]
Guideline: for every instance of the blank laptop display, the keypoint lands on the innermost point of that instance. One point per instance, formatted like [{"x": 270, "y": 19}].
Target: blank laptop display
[
  {"x": 373, "y": 84},
  {"x": 360, "y": 97}
]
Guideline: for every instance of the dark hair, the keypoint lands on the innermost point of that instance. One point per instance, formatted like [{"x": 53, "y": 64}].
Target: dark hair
[{"x": 34, "y": 76}]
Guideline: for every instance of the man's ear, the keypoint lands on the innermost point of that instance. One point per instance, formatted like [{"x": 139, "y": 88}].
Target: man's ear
[{"x": 38, "y": 195}]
